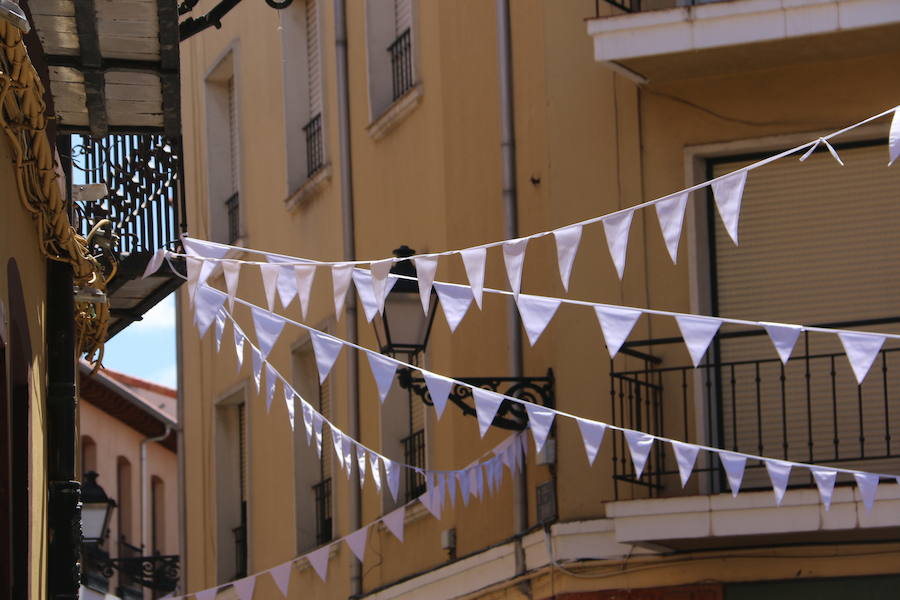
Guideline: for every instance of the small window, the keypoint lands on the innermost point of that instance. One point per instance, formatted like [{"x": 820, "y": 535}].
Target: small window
[
  {"x": 390, "y": 37},
  {"x": 224, "y": 152},
  {"x": 232, "y": 487}
]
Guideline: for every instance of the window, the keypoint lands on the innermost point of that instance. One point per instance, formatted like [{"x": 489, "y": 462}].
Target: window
[
  {"x": 232, "y": 485},
  {"x": 224, "y": 152},
  {"x": 390, "y": 38},
  {"x": 404, "y": 435},
  {"x": 414, "y": 449},
  {"x": 124, "y": 500},
  {"x": 88, "y": 455},
  {"x": 157, "y": 515}
]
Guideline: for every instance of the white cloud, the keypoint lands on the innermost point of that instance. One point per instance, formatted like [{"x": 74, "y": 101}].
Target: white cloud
[
  {"x": 167, "y": 376},
  {"x": 160, "y": 317}
]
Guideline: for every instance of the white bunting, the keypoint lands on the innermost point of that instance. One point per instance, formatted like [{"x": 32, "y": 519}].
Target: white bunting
[
  {"x": 376, "y": 470},
  {"x": 318, "y": 421},
  {"x": 430, "y": 499},
  {"x": 616, "y": 229},
  {"x": 289, "y": 404},
  {"x": 282, "y": 576},
  {"x": 326, "y": 349},
  {"x": 779, "y": 474},
  {"x": 697, "y": 332},
  {"x": 540, "y": 420},
  {"x": 486, "y": 405},
  {"x": 271, "y": 380},
  {"x": 307, "y": 420},
  {"x": 727, "y": 193},
  {"x": 220, "y": 330},
  {"x": 340, "y": 278},
  {"x": 473, "y": 260},
  {"x": 372, "y": 303},
  {"x": 383, "y": 370},
  {"x": 244, "y": 587},
  {"x": 357, "y": 542},
  {"x": 268, "y": 327},
  {"x": 426, "y": 267},
  {"x": 861, "y": 350},
  {"x": 639, "y": 444},
  {"x": 783, "y": 337},
  {"x": 824, "y": 479},
  {"x": 207, "y": 304},
  {"x": 380, "y": 271},
  {"x": 476, "y": 481},
  {"x": 670, "y": 213},
  {"x": 154, "y": 263},
  {"x": 830, "y": 148},
  {"x": 394, "y": 522},
  {"x": 451, "y": 488},
  {"x": 894, "y": 137},
  {"x": 287, "y": 285},
  {"x": 238, "y": 345},
  {"x": 232, "y": 273},
  {"x": 347, "y": 447},
  {"x": 270, "y": 282},
  {"x": 592, "y": 436},
  {"x": 318, "y": 560},
  {"x": 734, "y": 469},
  {"x": 361, "y": 464},
  {"x": 536, "y": 313},
  {"x": 686, "y": 457},
  {"x": 514, "y": 259},
  {"x": 616, "y": 324},
  {"x": 455, "y": 301},
  {"x": 257, "y": 361},
  {"x": 462, "y": 478},
  {"x": 868, "y": 488},
  {"x": 193, "y": 266},
  {"x": 204, "y": 248},
  {"x": 209, "y": 594},
  {"x": 303, "y": 279},
  {"x": 337, "y": 440},
  {"x": 392, "y": 473},
  {"x": 567, "y": 240},
  {"x": 439, "y": 389}
]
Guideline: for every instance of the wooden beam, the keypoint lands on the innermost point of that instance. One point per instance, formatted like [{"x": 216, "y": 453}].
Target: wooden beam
[
  {"x": 109, "y": 64},
  {"x": 92, "y": 63},
  {"x": 167, "y": 13}
]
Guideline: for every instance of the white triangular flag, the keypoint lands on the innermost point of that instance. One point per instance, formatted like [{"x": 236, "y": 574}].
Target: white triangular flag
[
  {"x": 616, "y": 229},
  {"x": 307, "y": 420},
  {"x": 431, "y": 501},
  {"x": 154, "y": 263},
  {"x": 269, "y": 274},
  {"x": 383, "y": 370},
  {"x": 592, "y": 436},
  {"x": 540, "y": 420},
  {"x": 232, "y": 273},
  {"x": 197, "y": 247},
  {"x": 318, "y": 421},
  {"x": 193, "y": 266},
  {"x": 830, "y": 148},
  {"x": 207, "y": 304},
  {"x": 289, "y": 404},
  {"x": 514, "y": 259},
  {"x": 303, "y": 280},
  {"x": 340, "y": 278},
  {"x": 239, "y": 345},
  {"x": 361, "y": 464},
  {"x": 783, "y": 337},
  {"x": 474, "y": 259},
  {"x": 337, "y": 440},
  {"x": 220, "y": 330},
  {"x": 779, "y": 474},
  {"x": 426, "y": 267},
  {"x": 536, "y": 313},
  {"x": 639, "y": 444},
  {"x": 697, "y": 332},
  {"x": 287, "y": 285},
  {"x": 326, "y": 349},
  {"x": 486, "y": 405},
  {"x": 567, "y": 240},
  {"x": 318, "y": 560},
  {"x": 282, "y": 576},
  {"x": 347, "y": 447},
  {"x": 392, "y": 473},
  {"x": 670, "y": 213},
  {"x": 372, "y": 303},
  {"x": 271, "y": 380},
  {"x": 616, "y": 324},
  {"x": 438, "y": 389},
  {"x": 244, "y": 587},
  {"x": 861, "y": 350},
  {"x": 455, "y": 301},
  {"x": 374, "y": 466},
  {"x": 727, "y": 193},
  {"x": 451, "y": 488},
  {"x": 209, "y": 594},
  {"x": 357, "y": 542},
  {"x": 824, "y": 479},
  {"x": 394, "y": 522},
  {"x": 894, "y": 137},
  {"x": 379, "y": 271},
  {"x": 868, "y": 488},
  {"x": 734, "y": 469},
  {"x": 462, "y": 478},
  {"x": 268, "y": 327},
  {"x": 257, "y": 360},
  {"x": 476, "y": 481},
  {"x": 686, "y": 457}
]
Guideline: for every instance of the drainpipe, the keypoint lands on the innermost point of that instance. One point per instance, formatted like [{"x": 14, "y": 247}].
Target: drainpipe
[
  {"x": 511, "y": 221},
  {"x": 145, "y": 489},
  {"x": 179, "y": 437},
  {"x": 349, "y": 232}
]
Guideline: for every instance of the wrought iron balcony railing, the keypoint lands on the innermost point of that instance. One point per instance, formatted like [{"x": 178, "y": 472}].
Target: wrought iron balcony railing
[
  {"x": 240, "y": 544},
  {"x": 401, "y": 63},
  {"x": 315, "y": 149},
  {"x": 322, "y": 491},
  {"x": 233, "y": 215},
  {"x": 645, "y": 5},
  {"x": 414, "y": 454}
]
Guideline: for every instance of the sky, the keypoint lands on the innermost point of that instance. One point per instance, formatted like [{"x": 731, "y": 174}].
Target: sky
[{"x": 146, "y": 348}]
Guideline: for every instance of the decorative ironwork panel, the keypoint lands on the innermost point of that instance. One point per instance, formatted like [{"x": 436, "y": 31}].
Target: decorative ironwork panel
[
  {"x": 315, "y": 149},
  {"x": 401, "y": 63},
  {"x": 414, "y": 454},
  {"x": 322, "y": 491}
]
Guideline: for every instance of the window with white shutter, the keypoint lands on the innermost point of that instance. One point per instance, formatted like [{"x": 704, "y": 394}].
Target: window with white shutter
[
  {"x": 223, "y": 126},
  {"x": 390, "y": 39}
]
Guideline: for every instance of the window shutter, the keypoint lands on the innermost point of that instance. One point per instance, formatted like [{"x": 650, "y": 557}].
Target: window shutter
[
  {"x": 242, "y": 450},
  {"x": 327, "y": 446},
  {"x": 313, "y": 65},
  {"x": 402, "y": 16},
  {"x": 233, "y": 140}
]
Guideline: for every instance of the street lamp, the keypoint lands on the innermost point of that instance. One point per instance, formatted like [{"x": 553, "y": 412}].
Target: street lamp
[{"x": 96, "y": 509}]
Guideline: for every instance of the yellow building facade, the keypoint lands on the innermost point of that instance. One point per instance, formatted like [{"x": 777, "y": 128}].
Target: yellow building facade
[{"x": 290, "y": 149}]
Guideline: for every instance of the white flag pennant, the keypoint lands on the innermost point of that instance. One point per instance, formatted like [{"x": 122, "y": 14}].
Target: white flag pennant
[
  {"x": 514, "y": 259},
  {"x": 326, "y": 349},
  {"x": 670, "y": 213},
  {"x": 779, "y": 474},
  {"x": 861, "y": 350},
  {"x": 567, "y": 240},
  {"x": 373, "y": 303},
  {"x": 451, "y": 488},
  {"x": 616, "y": 324},
  {"x": 462, "y": 478},
  {"x": 783, "y": 337},
  {"x": 244, "y": 587},
  {"x": 357, "y": 542},
  {"x": 486, "y": 405},
  {"x": 383, "y": 370},
  {"x": 289, "y": 404},
  {"x": 209, "y": 594},
  {"x": 282, "y": 576},
  {"x": 616, "y": 229},
  {"x": 686, "y": 457},
  {"x": 268, "y": 327},
  {"x": 392, "y": 473},
  {"x": 728, "y": 192},
  {"x": 380, "y": 271},
  {"x": 303, "y": 279},
  {"x": 307, "y": 420},
  {"x": 639, "y": 444},
  {"x": 540, "y": 420},
  {"x": 592, "y": 436},
  {"x": 431, "y": 499},
  {"x": 439, "y": 389},
  {"x": 269, "y": 274},
  {"x": 376, "y": 470},
  {"x": 830, "y": 148},
  {"x": 536, "y": 313},
  {"x": 476, "y": 481},
  {"x": 238, "y": 345},
  {"x": 347, "y": 448},
  {"x": 734, "y": 469},
  {"x": 473, "y": 260},
  {"x": 220, "y": 330},
  {"x": 193, "y": 266},
  {"x": 455, "y": 301},
  {"x": 198, "y": 247},
  {"x": 155, "y": 262},
  {"x": 207, "y": 304},
  {"x": 271, "y": 380},
  {"x": 231, "y": 270},
  {"x": 257, "y": 361},
  {"x": 337, "y": 440},
  {"x": 697, "y": 332},
  {"x": 287, "y": 285},
  {"x": 318, "y": 560},
  {"x": 894, "y": 137},
  {"x": 868, "y": 488},
  {"x": 394, "y": 522},
  {"x": 318, "y": 421},
  {"x": 824, "y": 479},
  {"x": 361, "y": 464},
  {"x": 426, "y": 267},
  {"x": 340, "y": 278}
]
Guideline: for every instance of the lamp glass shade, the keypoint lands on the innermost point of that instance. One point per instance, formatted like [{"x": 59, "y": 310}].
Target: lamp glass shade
[
  {"x": 405, "y": 324},
  {"x": 94, "y": 517}
]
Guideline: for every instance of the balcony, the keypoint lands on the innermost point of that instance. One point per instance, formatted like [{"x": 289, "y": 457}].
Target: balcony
[{"x": 665, "y": 40}]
